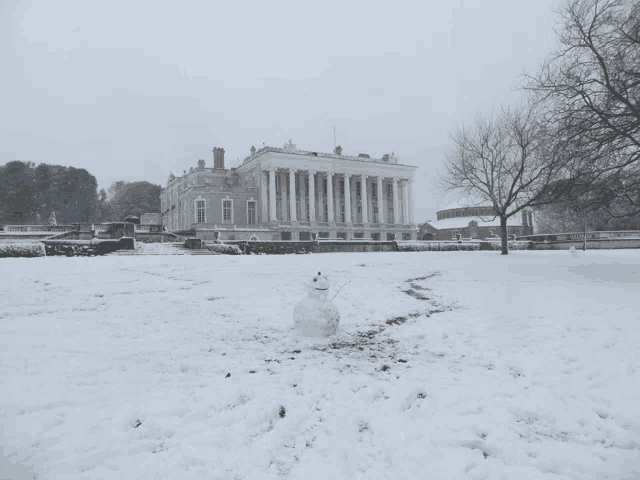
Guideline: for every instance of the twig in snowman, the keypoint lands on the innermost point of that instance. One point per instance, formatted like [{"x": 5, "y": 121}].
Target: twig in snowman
[{"x": 339, "y": 290}]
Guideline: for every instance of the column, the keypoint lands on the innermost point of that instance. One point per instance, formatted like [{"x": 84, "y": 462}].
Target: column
[
  {"x": 396, "y": 217},
  {"x": 370, "y": 207},
  {"x": 410, "y": 195},
  {"x": 405, "y": 195},
  {"x": 347, "y": 198},
  {"x": 354, "y": 202},
  {"x": 320, "y": 210},
  {"x": 272, "y": 194},
  {"x": 330, "y": 196},
  {"x": 336, "y": 199},
  {"x": 303, "y": 199},
  {"x": 380, "y": 193},
  {"x": 264, "y": 209},
  {"x": 292, "y": 196},
  {"x": 364, "y": 200},
  {"x": 283, "y": 197},
  {"x": 312, "y": 196}
]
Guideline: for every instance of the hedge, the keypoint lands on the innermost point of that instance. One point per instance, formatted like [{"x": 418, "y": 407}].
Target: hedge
[
  {"x": 87, "y": 248},
  {"x": 437, "y": 247},
  {"x": 36, "y": 249},
  {"x": 460, "y": 246},
  {"x": 224, "y": 249},
  {"x": 278, "y": 248}
]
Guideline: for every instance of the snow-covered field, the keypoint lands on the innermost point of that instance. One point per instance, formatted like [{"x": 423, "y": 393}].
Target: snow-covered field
[{"x": 453, "y": 365}]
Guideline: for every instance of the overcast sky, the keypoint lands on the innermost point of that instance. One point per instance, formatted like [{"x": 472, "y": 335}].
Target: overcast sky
[{"x": 131, "y": 90}]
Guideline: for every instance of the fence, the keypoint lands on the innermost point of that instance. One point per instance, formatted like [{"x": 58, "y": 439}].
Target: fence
[{"x": 579, "y": 236}]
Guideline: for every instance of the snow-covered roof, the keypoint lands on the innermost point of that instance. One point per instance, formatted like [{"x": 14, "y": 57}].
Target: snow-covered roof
[
  {"x": 465, "y": 204},
  {"x": 463, "y": 222}
]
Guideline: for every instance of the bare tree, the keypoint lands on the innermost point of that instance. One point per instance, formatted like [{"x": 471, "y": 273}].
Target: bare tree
[
  {"x": 589, "y": 89},
  {"x": 505, "y": 159}
]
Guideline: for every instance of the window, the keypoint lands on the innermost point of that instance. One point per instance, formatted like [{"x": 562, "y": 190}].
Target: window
[
  {"x": 406, "y": 236},
  {"x": 226, "y": 211},
  {"x": 358, "y": 235},
  {"x": 286, "y": 236},
  {"x": 342, "y": 235},
  {"x": 375, "y": 237},
  {"x": 323, "y": 234},
  {"x": 251, "y": 213},
  {"x": 200, "y": 211},
  {"x": 391, "y": 237},
  {"x": 305, "y": 236},
  {"x": 358, "y": 189}
]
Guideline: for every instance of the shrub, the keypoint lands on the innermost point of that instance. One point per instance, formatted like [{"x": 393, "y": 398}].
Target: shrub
[
  {"x": 278, "y": 248},
  {"x": 22, "y": 250},
  {"x": 438, "y": 247},
  {"x": 460, "y": 246},
  {"x": 224, "y": 249},
  {"x": 512, "y": 245},
  {"x": 84, "y": 248}
]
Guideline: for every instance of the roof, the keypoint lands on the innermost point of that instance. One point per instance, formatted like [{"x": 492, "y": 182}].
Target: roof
[
  {"x": 463, "y": 222},
  {"x": 465, "y": 204},
  {"x": 267, "y": 149}
]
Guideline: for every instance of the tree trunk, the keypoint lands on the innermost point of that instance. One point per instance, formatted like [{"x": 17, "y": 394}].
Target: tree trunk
[{"x": 503, "y": 234}]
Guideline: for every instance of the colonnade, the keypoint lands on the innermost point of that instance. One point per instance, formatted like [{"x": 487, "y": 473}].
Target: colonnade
[{"x": 351, "y": 201}]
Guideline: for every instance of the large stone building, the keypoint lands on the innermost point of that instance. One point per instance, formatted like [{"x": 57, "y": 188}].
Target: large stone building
[
  {"x": 279, "y": 194},
  {"x": 473, "y": 222}
]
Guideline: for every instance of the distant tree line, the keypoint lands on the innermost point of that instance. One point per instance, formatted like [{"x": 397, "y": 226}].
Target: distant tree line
[
  {"x": 571, "y": 149},
  {"x": 30, "y": 193}
]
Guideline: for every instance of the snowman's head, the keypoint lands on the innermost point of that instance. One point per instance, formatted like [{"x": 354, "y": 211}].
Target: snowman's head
[{"x": 320, "y": 282}]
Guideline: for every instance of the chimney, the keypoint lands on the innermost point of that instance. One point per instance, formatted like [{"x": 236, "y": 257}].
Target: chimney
[{"x": 218, "y": 157}]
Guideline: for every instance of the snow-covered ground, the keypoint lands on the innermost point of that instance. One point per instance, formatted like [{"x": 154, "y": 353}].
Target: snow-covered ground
[{"x": 453, "y": 365}]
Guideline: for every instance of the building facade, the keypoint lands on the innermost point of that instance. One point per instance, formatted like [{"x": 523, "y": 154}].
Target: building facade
[
  {"x": 278, "y": 194},
  {"x": 477, "y": 222}
]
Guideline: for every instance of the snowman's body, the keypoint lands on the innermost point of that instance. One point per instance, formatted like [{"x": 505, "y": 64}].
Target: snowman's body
[{"x": 315, "y": 315}]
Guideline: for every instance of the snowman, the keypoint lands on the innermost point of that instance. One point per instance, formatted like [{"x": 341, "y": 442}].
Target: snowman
[
  {"x": 315, "y": 315},
  {"x": 573, "y": 252}
]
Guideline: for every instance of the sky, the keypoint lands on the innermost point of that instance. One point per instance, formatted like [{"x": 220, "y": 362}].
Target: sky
[{"x": 135, "y": 90}]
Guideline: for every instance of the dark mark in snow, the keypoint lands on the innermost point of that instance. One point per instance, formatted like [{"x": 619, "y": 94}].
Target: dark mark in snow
[
  {"x": 282, "y": 412},
  {"x": 435, "y": 274},
  {"x": 292, "y": 358},
  {"x": 416, "y": 295},
  {"x": 252, "y": 371},
  {"x": 385, "y": 368},
  {"x": 402, "y": 361},
  {"x": 396, "y": 321},
  {"x": 228, "y": 375},
  {"x": 137, "y": 424},
  {"x": 296, "y": 351}
]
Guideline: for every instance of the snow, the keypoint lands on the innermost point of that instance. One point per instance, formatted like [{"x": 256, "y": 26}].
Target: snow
[{"x": 465, "y": 365}]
